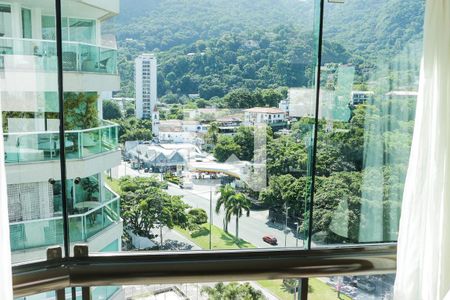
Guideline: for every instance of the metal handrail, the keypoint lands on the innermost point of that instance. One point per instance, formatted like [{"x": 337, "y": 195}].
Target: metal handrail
[
  {"x": 102, "y": 205},
  {"x": 53, "y": 41},
  {"x": 107, "y": 125},
  {"x": 143, "y": 268}
]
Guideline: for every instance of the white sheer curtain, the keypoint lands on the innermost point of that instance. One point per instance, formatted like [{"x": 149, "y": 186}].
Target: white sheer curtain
[
  {"x": 5, "y": 254},
  {"x": 423, "y": 260}
]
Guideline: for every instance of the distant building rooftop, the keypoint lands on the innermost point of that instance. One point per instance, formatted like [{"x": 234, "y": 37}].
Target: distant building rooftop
[{"x": 266, "y": 110}]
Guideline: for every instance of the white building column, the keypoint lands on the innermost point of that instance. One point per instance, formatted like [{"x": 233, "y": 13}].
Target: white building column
[
  {"x": 36, "y": 23},
  {"x": 16, "y": 19},
  {"x": 98, "y": 32}
]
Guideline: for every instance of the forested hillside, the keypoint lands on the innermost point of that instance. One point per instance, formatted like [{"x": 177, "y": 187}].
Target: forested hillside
[{"x": 214, "y": 46}]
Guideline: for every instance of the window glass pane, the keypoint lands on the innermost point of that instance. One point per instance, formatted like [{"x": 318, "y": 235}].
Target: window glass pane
[
  {"x": 367, "y": 107},
  {"x": 5, "y": 21},
  {"x": 26, "y": 23},
  {"x": 82, "y": 30},
  {"x": 48, "y": 28},
  {"x": 215, "y": 159},
  {"x": 28, "y": 93}
]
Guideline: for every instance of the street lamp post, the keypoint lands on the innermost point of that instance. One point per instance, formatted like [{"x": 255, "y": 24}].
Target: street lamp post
[
  {"x": 210, "y": 218},
  {"x": 286, "y": 230},
  {"x": 296, "y": 234}
]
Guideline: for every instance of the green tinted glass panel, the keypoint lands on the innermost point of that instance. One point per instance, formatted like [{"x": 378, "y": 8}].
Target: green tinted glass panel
[
  {"x": 81, "y": 30},
  {"x": 5, "y": 20},
  {"x": 26, "y": 23}
]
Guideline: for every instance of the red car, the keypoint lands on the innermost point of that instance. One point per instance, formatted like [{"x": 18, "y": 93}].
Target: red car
[{"x": 270, "y": 239}]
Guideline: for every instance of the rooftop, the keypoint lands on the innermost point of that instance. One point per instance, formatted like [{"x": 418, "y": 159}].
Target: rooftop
[{"x": 267, "y": 110}]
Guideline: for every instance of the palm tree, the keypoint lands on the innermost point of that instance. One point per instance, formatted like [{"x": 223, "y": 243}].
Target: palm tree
[
  {"x": 237, "y": 204},
  {"x": 232, "y": 291},
  {"x": 226, "y": 192},
  {"x": 213, "y": 133}
]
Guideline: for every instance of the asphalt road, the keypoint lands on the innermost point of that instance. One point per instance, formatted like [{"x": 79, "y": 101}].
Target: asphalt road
[{"x": 251, "y": 228}]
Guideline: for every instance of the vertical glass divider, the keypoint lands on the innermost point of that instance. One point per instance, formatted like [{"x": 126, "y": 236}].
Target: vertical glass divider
[
  {"x": 316, "y": 119},
  {"x": 80, "y": 144},
  {"x": 100, "y": 139},
  {"x": 51, "y": 146},
  {"x": 62, "y": 154}
]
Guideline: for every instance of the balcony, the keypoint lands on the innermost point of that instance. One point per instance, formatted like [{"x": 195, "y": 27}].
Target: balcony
[
  {"x": 26, "y": 147},
  {"x": 82, "y": 226},
  {"x": 40, "y": 55}
]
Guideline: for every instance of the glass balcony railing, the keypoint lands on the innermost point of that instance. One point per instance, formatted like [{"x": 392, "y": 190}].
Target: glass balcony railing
[
  {"x": 41, "y": 55},
  {"x": 47, "y": 232},
  {"x": 25, "y": 147}
]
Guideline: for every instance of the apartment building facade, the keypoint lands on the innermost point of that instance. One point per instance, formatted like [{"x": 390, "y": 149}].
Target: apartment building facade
[
  {"x": 145, "y": 85},
  {"x": 30, "y": 109}
]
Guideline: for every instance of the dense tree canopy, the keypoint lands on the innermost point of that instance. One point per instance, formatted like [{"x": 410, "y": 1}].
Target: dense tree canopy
[
  {"x": 111, "y": 110},
  {"x": 145, "y": 206},
  {"x": 214, "y": 46},
  {"x": 232, "y": 291}
]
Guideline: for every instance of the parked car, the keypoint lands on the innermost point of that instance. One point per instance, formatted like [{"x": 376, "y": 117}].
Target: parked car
[
  {"x": 366, "y": 286},
  {"x": 270, "y": 239}
]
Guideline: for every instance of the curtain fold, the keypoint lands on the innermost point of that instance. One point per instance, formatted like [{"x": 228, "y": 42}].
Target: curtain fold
[
  {"x": 423, "y": 260},
  {"x": 5, "y": 250}
]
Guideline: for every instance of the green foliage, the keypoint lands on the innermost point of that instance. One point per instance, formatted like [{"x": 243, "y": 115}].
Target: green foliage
[
  {"x": 212, "y": 135},
  {"x": 172, "y": 178},
  {"x": 286, "y": 155},
  {"x": 286, "y": 190},
  {"x": 245, "y": 139},
  {"x": 232, "y": 291},
  {"x": 236, "y": 64},
  {"x": 111, "y": 110},
  {"x": 225, "y": 147},
  {"x": 244, "y": 98},
  {"x": 132, "y": 184},
  {"x": 133, "y": 129},
  {"x": 197, "y": 217},
  {"x": 144, "y": 205},
  {"x": 235, "y": 43},
  {"x": 226, "y": 192},
  {"x": 236, "y": 205},
  {"x": 80, "y": 110},
  {"x": 91, "y": 187},
  {"x": 242, "y": 144},
  {"x": 291, "y": 285}
]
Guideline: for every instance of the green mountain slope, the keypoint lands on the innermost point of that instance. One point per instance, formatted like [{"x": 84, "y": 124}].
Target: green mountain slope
[{"x": 255, "y": 43}]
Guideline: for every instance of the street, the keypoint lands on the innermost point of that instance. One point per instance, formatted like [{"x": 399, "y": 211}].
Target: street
[{"x": 251, "y": 229}]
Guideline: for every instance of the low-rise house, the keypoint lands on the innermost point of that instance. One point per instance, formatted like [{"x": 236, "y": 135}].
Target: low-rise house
[
  {"x": 229, "y": 125},
  {"x": 268, "y": 115},
  {"x": 179, "y": 131}
]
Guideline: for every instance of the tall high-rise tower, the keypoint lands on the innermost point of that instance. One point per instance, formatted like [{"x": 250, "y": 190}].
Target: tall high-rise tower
[{"x": 145, "y": 85}]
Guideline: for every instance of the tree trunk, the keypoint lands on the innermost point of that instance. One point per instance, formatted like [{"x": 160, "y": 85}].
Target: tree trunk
[{"x": 237, "y": 228}]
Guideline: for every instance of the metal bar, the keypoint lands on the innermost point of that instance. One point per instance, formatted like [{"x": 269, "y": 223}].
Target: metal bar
[
  {"x": 202, "y": 266},
  {"x": 81, "y": 251},
  {"x": 316, "y": 125},
  {"x": 55, "y": 253},
  {"x": 34, "y": 278},
  {"x": 303, "y": 289},
  {"x": 62, "y": 144}
]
